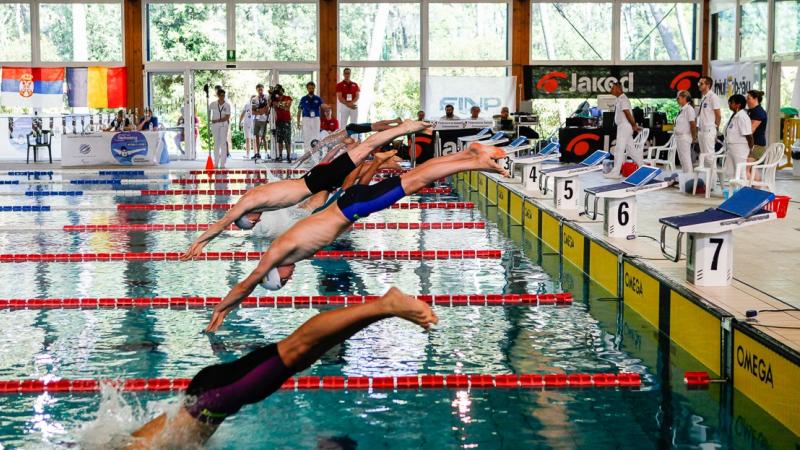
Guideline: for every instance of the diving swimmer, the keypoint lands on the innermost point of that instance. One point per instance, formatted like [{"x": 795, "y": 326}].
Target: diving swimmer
[
  {"x": 309, "y": 235},
  {"x": 281, "y": 194},
  {"x": 219, "y": 391}
]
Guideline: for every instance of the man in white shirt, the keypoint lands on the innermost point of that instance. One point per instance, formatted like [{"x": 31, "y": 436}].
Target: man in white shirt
[
  {"x": 738, "y": 135},
  {"x": 685, "y": 130},
  {"x": 626, "y": 125},
  {"x": 475, "y": 113},
  {"x": 708, "y": 119},
  {"x": 220, "y": 121}
]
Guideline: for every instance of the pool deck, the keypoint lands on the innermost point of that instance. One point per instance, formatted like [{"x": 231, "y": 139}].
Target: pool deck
[{"x": 764, "y": 255}]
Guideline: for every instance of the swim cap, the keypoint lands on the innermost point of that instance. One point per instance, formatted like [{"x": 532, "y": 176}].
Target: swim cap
[
  {"x": 244, "y": 223},
  {"x": 272, "y": 280}
]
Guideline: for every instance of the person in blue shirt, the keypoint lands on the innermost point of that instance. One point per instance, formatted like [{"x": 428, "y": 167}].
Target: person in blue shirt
[
  {"x": 758, "y": 120},
  {"x": 308, "y": 116},
  {"x": 148, "y": 122}
]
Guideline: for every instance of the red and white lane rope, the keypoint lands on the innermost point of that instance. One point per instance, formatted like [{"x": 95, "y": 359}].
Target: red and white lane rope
[
  {"x": 159, "y": 192},
  {"x": 204, "y": 226},
  {"x": 297, "y": 301},
  {"x": 450, "y": 381},
  {"x": 227, "y": 206},
  {"x": 251, "y": 256}
]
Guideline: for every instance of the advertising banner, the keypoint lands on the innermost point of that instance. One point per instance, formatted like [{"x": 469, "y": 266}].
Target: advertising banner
[
  {"x": 488, "y": 93},
  {"x": 127, "y": 148},
  {"x": 734, "y": 78},
  {"x": 650, "y": 81}
]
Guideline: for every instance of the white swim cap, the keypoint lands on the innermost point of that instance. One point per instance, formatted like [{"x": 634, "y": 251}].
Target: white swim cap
[
  {"x": 244, "y": 223},
  {"x": 272, "y": 280}
]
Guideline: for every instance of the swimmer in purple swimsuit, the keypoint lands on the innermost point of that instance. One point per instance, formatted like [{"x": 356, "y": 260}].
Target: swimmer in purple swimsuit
[
  {"x": 316, "y": 231},
  {"x": 219, "y": 391}
]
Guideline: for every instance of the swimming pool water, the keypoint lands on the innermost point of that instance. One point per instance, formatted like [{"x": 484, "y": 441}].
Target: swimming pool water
[{"x": 596, "y": 334}]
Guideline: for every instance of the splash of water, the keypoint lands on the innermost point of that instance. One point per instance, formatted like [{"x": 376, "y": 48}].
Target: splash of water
[{"x": 117, "y": 418}]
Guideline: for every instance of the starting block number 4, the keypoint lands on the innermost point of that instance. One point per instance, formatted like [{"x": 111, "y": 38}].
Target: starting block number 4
[
  {"x": 709, "y": 259},
  {"x": 530, "y": 176}
]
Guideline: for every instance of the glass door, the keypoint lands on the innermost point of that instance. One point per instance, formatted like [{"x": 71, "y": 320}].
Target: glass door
[{"x": 169, "y": 102}]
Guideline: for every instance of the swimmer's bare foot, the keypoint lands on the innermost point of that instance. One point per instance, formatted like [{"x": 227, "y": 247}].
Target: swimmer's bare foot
[
  {"x": 406, "y": 307},
  {"x": 385, "y": 156},
  {"x": 487, "y": 156}
]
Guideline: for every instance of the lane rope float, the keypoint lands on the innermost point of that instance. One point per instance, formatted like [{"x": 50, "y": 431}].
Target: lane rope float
[
  {"x": 333, "y": 382},
  {"x": 297, "y": 301},
  {"x": 205, "y": 226},
  {"x": 252, "y": 256},
  {"x": 226, "y": 206}
]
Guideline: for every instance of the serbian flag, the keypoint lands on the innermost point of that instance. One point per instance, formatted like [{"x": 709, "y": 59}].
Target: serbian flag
[
  {"x": 33, "y": 87},
  {"x": 97, "y": 87}
]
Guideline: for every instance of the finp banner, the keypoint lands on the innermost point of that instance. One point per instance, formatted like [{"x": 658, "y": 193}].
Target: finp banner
[{"x": 488, "y": 93}]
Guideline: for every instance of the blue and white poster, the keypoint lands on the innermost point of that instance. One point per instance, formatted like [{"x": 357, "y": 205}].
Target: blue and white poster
[{"x": 129, "y": 147}]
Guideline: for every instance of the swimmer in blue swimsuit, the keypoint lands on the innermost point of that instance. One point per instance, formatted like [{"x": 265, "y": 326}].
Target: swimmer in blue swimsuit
[
  {"x": 316, "y": 231},
  {"x": 219, "y": 391},
  {"x": 281, "y": 194}
]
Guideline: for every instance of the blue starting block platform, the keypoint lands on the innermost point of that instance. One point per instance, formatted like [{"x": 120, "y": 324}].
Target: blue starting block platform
[{"x": 566, "y": 180}]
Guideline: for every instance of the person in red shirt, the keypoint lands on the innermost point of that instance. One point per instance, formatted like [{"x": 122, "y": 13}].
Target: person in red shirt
[
  {"x": 347, "y": 93},
  {"x": 328, "y": 123},
  {"x": 283, "y": 122}
]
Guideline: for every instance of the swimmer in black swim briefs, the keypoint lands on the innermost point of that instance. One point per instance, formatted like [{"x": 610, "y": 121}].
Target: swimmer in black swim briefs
[
  {"x": 219, "y": 391},
  {"x": 316, "y": 231},
  {"x": 281, "y": 194}
]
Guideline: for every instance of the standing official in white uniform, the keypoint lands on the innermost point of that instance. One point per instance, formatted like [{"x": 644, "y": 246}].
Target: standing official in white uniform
[
  {"x": 626, "y": 125},
  {"x": 685, "y": 130},
  {"x": 708, "y": 120},
  {"x": 220, "y": 124},
  {"x": 738, "y": 135}
]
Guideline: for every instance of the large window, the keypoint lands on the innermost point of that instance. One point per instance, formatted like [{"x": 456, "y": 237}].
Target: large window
[
  {"x": 658, "y": 31},
  {"x": 276, "y": 32},
  {"x": 81, "y": 31},
  {"x": 787, "y": 26},
  {"x": 468, "y": 31},
  {"x": 724, "y": 28},
  {"x": 560, "y": 31},
  {"x": 15, "y": 32},
  {"x": 186, "y": 31},
  {"x": 467, "y": 71},
  {"x": 387, "y": 92},
  {"x": 754, "y": 30},
  {"x": 379, "y": 31}
]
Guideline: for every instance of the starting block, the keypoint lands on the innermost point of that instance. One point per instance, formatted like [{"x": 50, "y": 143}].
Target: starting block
[
  {"x": 531, "y": 166},
  {"x": 620, "y": 212},
  {"x": 567, "y": 182},
  {"x": 463, "y": 141},
  {"x": 709, "y": 248},
  {"x": 519, "y": 144}
]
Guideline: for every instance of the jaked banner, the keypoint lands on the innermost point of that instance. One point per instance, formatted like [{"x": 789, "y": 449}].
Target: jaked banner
[
  {"x": 652, "y": 81},
  {"x": 488, "y": 93},
  {"x": 33, "y": 87},
  {"x": 734, "y": 78}
]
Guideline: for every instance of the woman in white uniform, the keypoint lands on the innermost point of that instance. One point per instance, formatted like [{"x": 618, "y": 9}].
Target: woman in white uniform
[
  {"x": 246, "y": 125},
  {"x": 220, "y": 122},
  {"x": 738, "y": 135},
  {"x": 685, "y": 130}
]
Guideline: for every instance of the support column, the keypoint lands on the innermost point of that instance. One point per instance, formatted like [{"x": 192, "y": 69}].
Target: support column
[
  {"x": 328, "y": 51},
  {"x": 705, "y": 50},
  {"x": 134, "y": 60},
  {"x": 520, "y": 41}
]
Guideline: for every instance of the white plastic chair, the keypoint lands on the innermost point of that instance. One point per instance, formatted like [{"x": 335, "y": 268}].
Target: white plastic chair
[
  {"x": 712, "y": 169},
  {"x": 655, "y": 152},
  {"x": 640, "y": 140},
  {"x": 762, "y": 172}
]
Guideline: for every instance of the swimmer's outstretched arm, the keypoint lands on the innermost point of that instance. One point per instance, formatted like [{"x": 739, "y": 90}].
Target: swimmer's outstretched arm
[
  {"x": 276, "y": 195},
  {"x": 362, "y": 150},
  {"x": 298, "y": 351},
  {"x": 386, "y": 124},
  {"x": 299, "y": 242}
]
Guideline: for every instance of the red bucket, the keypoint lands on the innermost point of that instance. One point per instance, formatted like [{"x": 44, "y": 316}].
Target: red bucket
[
  {"x": 779, "y": 206},
  {"x": 628, "y": 168}
]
